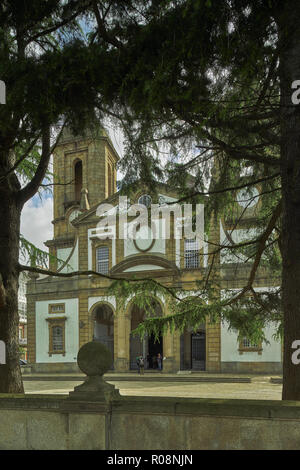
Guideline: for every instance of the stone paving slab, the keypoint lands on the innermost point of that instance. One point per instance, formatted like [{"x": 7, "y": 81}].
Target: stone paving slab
[
  {"x": 147, "y": 377},
  {"x": 141, "y": 378},
  {"x": 276, "y": 380},
  {"x": 261, "y": 389}
]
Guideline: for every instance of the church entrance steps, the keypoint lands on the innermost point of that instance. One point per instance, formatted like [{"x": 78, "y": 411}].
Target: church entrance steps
[
  {"x": 276, "y": 380},
  {"x": 147, "y": 377}
]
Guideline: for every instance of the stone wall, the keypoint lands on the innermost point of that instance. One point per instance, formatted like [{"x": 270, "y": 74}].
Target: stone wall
[
  {"x": 137, "y": 423},
  {"x": 252, "y": 367}
]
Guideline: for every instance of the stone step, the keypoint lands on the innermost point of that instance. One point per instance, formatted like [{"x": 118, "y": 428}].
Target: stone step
[
  {"x": 276, "y": 380},
  {"x": 141, "y": 378}
]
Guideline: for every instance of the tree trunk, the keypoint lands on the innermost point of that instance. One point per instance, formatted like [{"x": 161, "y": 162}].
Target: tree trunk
[
  {"x": 10, "y": 213},
  {"x": 289, "y": 49}
]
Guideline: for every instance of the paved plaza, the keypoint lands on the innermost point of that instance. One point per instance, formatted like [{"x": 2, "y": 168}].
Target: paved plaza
[{"x": 259, "y": 388}]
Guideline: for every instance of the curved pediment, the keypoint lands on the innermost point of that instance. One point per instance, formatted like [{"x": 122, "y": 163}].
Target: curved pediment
[{"x": 145, "y": 263}]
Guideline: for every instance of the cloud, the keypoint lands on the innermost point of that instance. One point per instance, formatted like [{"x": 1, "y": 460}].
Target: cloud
[{"x": 36, "y": 219}]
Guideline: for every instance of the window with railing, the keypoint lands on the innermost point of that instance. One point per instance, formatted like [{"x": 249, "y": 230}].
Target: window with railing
[
  {"x": 57, "y": 338},
  {"x": 246, "y": 345},
  {"x": 191, "y": 254},
  {"x": 102, "y": 259},
  {"x": 57, "y": 335}
]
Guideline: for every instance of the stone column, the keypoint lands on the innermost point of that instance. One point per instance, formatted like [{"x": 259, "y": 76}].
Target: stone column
[
  {"x": 213, "y": 346},
  {"x": 170, "y": 364},
  {"x": 176, "y": 350},
  {"x": 171, "y": 346},
  {"x": 122, "y": 353},
  {"x": 213, "y": 330},
  {"x": 168, "y": 353}
]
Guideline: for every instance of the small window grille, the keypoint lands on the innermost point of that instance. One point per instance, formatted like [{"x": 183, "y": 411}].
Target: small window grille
[
  {"x": 247, "y": 343},
  {"x": 57, "y": 338},
  {"x": 103, "y": 260},
  {"x": 191, "y": 254},
  {"x": 57, "y": 308}
]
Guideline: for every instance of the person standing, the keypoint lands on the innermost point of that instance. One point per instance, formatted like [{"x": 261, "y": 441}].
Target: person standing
[
  {"x": 159, "y": 361},
  {"x": 142, "y": 365},
  {"x": 138, "y": 364}
]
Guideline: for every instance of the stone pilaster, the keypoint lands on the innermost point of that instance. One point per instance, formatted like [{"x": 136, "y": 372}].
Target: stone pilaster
[
  {"x": 122, "y": 357},
  {"x": 85, "y": 324},
  {"x": 31, "y": 332},
  {"x": 213, "y": 347}
]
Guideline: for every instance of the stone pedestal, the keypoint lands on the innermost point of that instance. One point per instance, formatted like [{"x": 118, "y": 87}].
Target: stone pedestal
[
  {"x": 94, "y": 360},
  {"x": 169, "y": 365},
  {"x": 121, "y": 364}
]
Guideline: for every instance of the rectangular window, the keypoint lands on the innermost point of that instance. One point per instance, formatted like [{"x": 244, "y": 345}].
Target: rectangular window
[
  {"x": 102, "y": 254},
  {"x": 57, "y": 308},
  {"x": 246, "y": 345},
  {"x": 57, "y": 338},
  {"x": 57, "y": 335},
  {"x": 191, "y": 254}
]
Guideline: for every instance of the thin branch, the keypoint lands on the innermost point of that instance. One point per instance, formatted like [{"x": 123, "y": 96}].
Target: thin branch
[
  {"x": 232, "y": 188},
  {"x": 56, "y": 184},
  {"x": 56, "y": 26},
  {"x": 31, "y": 188},
  {"x": 21, "y": 159},
  {"x": 102, "y": 31},
  {"x": 48, "y": 272},
  {"x": 236, "y": 155},
  {"x": 260, "y": 250}
]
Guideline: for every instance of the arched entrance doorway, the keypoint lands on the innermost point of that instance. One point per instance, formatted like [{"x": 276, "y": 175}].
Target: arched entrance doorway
[
  {"x": 193, "y": 349},
  {"x": 104, "y": 326},
  {"x": 147, "y": 347}
]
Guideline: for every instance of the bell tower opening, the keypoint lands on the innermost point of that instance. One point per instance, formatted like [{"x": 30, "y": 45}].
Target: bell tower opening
[{"x": 78, "y": 180}]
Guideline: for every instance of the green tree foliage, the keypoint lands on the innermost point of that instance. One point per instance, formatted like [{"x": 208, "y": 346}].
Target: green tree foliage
[
  {"x": 203, "y": 77},
  {"x": 216, "y": 77},
  {"x": 46, "y": 64},
  {"x": 210, "y": 79}
]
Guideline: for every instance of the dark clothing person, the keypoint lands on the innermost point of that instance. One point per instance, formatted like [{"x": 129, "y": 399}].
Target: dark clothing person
[
  {"x": 159, "y": 361},
  {"x": 138, "y": 364},
  {"x": 142, "y": 365}
]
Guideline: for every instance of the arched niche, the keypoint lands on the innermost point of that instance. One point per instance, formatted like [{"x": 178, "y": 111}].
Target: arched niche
[{"x": 103, "y": 320}]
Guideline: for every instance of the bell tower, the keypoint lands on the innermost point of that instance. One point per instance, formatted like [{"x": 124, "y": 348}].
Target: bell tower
[{"x": 85, "y": 174}]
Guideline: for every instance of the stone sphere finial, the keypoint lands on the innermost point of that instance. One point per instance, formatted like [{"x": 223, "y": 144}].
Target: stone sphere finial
[{"x": 94, "y": 359}]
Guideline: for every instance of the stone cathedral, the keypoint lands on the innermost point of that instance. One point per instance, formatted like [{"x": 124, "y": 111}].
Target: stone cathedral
[{"x": 65, "y": 313}]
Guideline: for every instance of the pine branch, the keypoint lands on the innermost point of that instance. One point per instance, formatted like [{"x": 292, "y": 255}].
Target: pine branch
[
  {"x": 31, "y": 188},
  {"x": 48, "y": 272}
]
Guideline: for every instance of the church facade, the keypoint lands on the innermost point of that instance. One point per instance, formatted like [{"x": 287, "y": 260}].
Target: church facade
[{"x": 65, "y": 313}]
